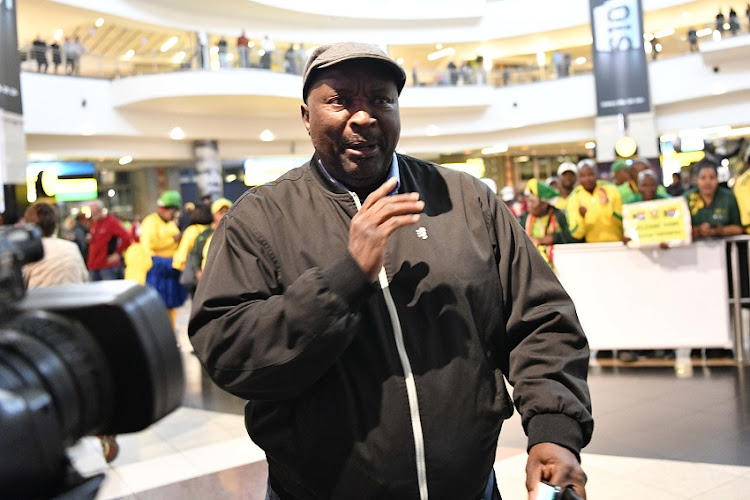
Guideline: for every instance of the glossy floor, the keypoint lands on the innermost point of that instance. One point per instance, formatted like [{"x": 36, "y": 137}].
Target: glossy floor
[{"x": 661, "y": 433}]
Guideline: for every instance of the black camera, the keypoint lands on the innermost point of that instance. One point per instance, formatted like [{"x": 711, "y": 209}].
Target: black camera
[{"x": 75, "y": 360}]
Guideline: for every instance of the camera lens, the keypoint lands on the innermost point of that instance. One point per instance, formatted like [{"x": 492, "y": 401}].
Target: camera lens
[{"x": 55, "y": 389}]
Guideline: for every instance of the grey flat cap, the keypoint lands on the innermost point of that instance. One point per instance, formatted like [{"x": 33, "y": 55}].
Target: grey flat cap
[{"x": 329, "y": 55}]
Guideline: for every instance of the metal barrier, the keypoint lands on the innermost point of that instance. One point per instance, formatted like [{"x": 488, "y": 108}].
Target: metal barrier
[{"x": 734, "y": 243}]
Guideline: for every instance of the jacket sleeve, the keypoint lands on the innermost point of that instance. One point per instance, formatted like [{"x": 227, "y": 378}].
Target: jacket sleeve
[
  {"x": 258, "y": 339},
  {"x": 545, "y": 351}
]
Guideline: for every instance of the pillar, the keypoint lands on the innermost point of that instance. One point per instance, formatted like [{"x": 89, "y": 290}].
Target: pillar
[{"x": 208, "y": 173}]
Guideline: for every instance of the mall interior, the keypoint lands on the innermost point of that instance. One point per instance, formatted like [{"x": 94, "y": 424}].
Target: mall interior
[{"x": 161, "y": 96}]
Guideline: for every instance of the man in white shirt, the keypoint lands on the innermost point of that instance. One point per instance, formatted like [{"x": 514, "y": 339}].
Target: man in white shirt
[{"x": 62, "y": 263}]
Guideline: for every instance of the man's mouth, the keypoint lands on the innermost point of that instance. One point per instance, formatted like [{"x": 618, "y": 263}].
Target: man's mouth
[{"x": 364, "y": 148}]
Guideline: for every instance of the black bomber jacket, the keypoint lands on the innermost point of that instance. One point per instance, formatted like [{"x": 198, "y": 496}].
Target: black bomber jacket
[{"x": 358, "y": 389}]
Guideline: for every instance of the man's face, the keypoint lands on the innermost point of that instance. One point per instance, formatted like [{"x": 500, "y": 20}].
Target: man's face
[
  {"x": 568, "y": 180},
  {"x": 537, "y": 207},
  {"x": 647, "y": 187},
  {"x": 587, "y": 176},
  {"x": 96, "y": 212},
  {"x": 622, "y": 176},
  {"x": 168, "y": 213},
  {"x": 353, "y": 120}
]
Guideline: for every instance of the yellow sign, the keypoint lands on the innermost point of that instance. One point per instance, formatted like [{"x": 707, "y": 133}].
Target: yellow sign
[{"x": 651, "y": 223}]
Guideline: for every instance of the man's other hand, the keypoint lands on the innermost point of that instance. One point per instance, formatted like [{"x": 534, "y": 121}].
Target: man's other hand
[
  {"x": 556, "y": 465},
  {"x": 378, "y": 218}
]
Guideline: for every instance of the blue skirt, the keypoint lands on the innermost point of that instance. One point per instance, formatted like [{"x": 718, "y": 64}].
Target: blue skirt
[{"x": 166, "y": 281}]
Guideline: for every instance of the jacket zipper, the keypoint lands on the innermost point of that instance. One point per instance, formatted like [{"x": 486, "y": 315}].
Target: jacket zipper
[{"x": 411, "y": 385}]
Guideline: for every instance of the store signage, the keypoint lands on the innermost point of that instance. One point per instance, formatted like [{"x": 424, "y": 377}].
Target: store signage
[
  {"x": 620, "y": 69},
  {"x": 63, "y": 181},
  {"x": 651, "y": 223}
]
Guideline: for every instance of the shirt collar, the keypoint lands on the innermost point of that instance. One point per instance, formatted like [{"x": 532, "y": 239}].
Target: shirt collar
[{"x": 394, "y": 171}]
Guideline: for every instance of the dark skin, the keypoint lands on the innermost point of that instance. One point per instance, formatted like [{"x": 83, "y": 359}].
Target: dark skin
[
  {"x": 539, "y": 208},
  {"x": 352, "y": 116},
  {"x": 587, "y": 177},
  {"x": 567, "y": 183},
  {"x": 167, "y": 214},
  {"x": 622, "y": 176}
]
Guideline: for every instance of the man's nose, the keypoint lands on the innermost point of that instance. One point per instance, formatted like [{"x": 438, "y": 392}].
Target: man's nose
[{"x": 362, "y": 117}]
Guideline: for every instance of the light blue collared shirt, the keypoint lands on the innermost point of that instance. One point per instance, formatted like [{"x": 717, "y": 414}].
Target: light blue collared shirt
[{"x": 393, "y": 172}]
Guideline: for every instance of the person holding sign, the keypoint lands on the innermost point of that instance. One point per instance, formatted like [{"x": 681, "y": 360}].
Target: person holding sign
[
  {"x": 713, "y": 209},
  {"x": 648, "y": 188}
]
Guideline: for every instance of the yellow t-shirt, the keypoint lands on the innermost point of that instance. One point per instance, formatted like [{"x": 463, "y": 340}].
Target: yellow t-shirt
[
  {"x": 157, "y": 235},
  {"x": 603, "y": 220},
  {"x": 205, "y": 250},
  {"x": 187, "y": 242},
  {"x": 742, "y": 193}
]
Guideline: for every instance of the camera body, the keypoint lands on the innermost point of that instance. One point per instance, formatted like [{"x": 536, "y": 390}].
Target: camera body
[{"x": 75, "y": 360}]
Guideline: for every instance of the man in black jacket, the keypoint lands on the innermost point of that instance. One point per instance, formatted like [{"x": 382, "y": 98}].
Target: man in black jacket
[{"x": 369, "y": 304}]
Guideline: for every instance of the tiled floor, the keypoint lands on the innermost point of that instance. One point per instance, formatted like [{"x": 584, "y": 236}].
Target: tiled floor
[{"x": 661, "y": 433}]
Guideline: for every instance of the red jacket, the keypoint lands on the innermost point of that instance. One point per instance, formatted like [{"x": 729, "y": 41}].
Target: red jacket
[{"x": 107, "y": 236}]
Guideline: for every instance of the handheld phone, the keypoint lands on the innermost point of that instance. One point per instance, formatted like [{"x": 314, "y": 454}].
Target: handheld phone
[{"x": 548, "y": 492}]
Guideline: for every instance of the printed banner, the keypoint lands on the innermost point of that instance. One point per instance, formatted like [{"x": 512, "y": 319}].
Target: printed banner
[
  {"x": 651, "y": 223},
  {"x": 620, "y": 69}
]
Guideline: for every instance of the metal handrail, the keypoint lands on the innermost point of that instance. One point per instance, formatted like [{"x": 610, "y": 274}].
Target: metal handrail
[{"x": 742, "y": 348}]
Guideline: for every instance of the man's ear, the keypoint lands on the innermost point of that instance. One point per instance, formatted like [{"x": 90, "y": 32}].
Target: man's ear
[{"x": 306, "y": 117}]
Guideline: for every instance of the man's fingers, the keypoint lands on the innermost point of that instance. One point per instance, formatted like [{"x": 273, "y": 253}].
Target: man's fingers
[{"x": 380, "y": 192}]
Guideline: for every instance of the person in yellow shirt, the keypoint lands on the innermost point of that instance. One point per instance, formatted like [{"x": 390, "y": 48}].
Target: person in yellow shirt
[
  {"x": 594, "y": 208},
  {"x": 218, "y": 208},
  {"x": 568, "y": 174},
  {"x": 160, "y": 236},
  {"x": 742, "y": 191}
]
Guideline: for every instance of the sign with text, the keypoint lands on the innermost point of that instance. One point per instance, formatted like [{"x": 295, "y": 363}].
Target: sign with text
[
  {"x": 620, "y": 69},
  {"x": 651, "y": 223}
]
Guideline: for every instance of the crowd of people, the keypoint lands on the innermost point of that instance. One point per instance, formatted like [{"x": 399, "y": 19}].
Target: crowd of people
[
  {"x": 68, "y": 55},
  {"x": 293, "y": 59},
  {"x": 579, "y": 206}
]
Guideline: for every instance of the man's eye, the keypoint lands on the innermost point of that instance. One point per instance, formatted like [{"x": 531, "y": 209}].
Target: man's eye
[
  {"x": 338, "y": 100},
  {"x": 382, "y": 100}
]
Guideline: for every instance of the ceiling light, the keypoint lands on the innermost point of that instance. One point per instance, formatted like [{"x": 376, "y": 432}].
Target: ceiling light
[
  {"x": 496, "y": 149},
  {"x": 169, "y": 44},
  {"x": 438, "y": 46},
  {"x": 521, "y": 159},
  {"x": 267, "y": 136},
  {"x": 179, "y": 57},
  {"x": 590, "y": 145},
  {"x": 128, "y": 55},
  {"x": 230, "y": 178},
  {"x": 400, "y": 61},
  {"x": 704, "y": 32},
  {"x": 99, "y": 22},
  {"x": 581, "y": 60},
  {"x": 111, "y": 193},
  {"x": 441, "y": 53},
  {"x": 58, "y": 34},
  {"x": 541, "y": 59},
  {"x": 648, "y": 36},
  {"x": 125, "y": 160},
  {"x": 664, "y": 33},
  {"x": 177, "y": 134}
]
